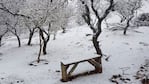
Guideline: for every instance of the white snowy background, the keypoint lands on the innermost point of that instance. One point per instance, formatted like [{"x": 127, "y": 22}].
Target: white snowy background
[{"x": 126, "y": 54}]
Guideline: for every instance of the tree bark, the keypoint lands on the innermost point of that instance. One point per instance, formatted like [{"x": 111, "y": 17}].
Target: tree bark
[
  {"x": 127, "y": 25},
  {"x": 45, "y": 48},
  {"x": 63, "y": 30},
  {"x": 125, "y": 29},
  {"x": 44, "y": 40},
  {"x": 19, "y": 41},
  {"x": 38, "y": 59},
  {"x": 95, "y": 39},
  {"x": 0, "y": 41},
  {"x": 30, "y": 37},
  {"x": 40, "y": 49},
  {"x": 96, "y": 45}
]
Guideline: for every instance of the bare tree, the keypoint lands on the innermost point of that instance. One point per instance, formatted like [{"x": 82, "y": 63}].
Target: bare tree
[
  {"x": 44, "y": 37},
  {"x": 93, "y": 8},
  {"x": 11, "y": 11},
  {"x": 127, "y": 10},
  {"x": 14, "y": 29},
  {"x": 31, "y": 27},
  {"x": 44, "y": 15},
  {"x": 3, "y": 28},
  {"x": 12, "y": 7},
  {"x": 3, "y": 31}
]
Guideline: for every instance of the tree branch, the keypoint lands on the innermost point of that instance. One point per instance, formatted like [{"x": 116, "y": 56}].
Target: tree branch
[
  {"x": 108, "y": 9},
  {"x": 3, "y": 8},
  {"x": 94, "y": 10},
  {"x": 87, "y": 18}
]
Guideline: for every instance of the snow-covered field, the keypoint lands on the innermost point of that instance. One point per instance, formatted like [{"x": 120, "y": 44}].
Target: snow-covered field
[{"x": 126, "y": 55}]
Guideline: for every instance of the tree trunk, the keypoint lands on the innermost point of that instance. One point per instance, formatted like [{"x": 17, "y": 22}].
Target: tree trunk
[
  {"x": 19, "y": 41},
  {"x": 0, "y": 41},
  {"x": 63, "y": 30},
  {"x": 40, "y": 44},
  {"x": 45, "y": 42},
  {"x": 96, "y": 45},
  {"x": 45, "y": 47},
  {"x": 30, "y": 37},
  {"x": 38, "y": 59},
  {"x": 95, "y": 39},
  {"x": 127, "y": 25},
  {"x": 54, "y": 36},
  {"x": 125, "y": 29}
]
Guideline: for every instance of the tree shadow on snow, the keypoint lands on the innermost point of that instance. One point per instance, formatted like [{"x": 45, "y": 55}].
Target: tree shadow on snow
[{"x": 42, "y": 62}]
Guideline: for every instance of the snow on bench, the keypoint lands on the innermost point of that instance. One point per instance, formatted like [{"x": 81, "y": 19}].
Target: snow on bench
[
  {"x": 67, "y": 74},
  {"x": 77, "y": 58}
]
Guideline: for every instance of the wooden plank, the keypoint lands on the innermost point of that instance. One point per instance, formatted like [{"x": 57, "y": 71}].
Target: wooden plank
[
  {"x": 72, "y": 69},
  {"x": 145, "y": 81},
  {"x": 64, "y": 72},
  {"x": 97, "y": 65},
  {"x": 94, "y": 63},
  {"x": 99, "y": 69},
  {"x": 78, "y": 60},
  {"x": 98, "y": 59},
  {"x": 82, "y": 74}
]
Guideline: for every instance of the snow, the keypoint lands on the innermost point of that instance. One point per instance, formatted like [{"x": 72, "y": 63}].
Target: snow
[{"x": 126, "y": 52}]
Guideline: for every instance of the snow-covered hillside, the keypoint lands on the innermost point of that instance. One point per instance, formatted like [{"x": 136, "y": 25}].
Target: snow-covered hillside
[{"x": 126, "y": 54}]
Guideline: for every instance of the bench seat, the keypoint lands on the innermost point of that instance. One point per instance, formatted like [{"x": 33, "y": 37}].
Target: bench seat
[{"x": 67, "y": 75}]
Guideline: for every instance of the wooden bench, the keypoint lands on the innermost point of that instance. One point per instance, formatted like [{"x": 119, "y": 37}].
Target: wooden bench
[
  {"x": 146, "y": 80},
  {"x": 67, "y": 75}
]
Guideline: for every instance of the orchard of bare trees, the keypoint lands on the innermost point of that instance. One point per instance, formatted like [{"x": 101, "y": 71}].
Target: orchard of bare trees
[
  {"x": 43, "y": 16},
  {"x": 46, "y": 17}
]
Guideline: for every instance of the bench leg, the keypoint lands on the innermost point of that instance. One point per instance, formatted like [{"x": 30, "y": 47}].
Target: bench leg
[
  {"x": 64, "y": 73},
  {"x": 98, "y": 60},
  {"x": 72, "y": 69}
]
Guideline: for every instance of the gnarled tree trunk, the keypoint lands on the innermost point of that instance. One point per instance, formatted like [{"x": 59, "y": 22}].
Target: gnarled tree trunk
[
  {"x": 40, "y": 45},
  {"x": 45, "y": 48},
  {"x": 127, "y": 25},
  {"x": 19, "y": 41},
  {"x": 30, "y": 37},
  {"x": 95, "y": 40},
  {"x": 87, "y": 16},
  {"x": 0, "y": 41},
  {"x": 43, "y": 43}
]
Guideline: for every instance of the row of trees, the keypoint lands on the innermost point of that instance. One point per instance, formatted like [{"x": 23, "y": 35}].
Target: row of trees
[
  {"x": 46, "y": 16},
  {"x": 42, "y": 16}
]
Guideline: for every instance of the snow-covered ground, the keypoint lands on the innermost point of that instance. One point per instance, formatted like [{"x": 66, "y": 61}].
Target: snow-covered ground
[{"x": 126, "y": 54}]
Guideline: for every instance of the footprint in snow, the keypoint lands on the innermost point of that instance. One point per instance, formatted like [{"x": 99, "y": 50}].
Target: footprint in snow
[
  {"x": 144, "y": 44},
  {"x": 1, "y": 54}
]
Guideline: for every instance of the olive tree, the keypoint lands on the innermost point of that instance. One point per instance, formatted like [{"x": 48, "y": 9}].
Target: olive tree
[
  {"x": 44, "y": 14},
  {"x": 3, "y": 31},
  {"x": 127, "y": 10},
  {"x": 3, "y": 28},
  {"x": 11, "y": 16},
  {"x": 95, "y": 11}
]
